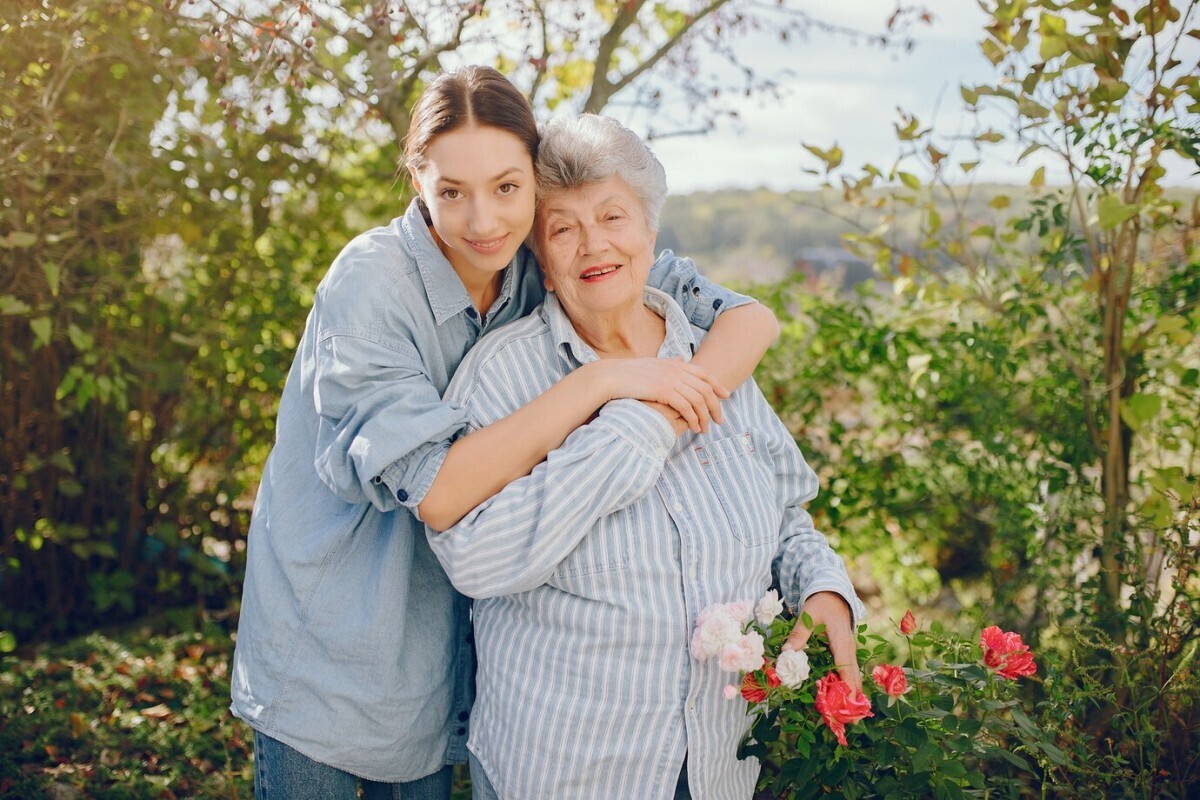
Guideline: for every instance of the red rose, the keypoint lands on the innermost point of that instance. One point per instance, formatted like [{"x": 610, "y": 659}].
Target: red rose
[
  {"x": 891, "y": 679},
  {"x": 1005, "y": 652},
  {"x": 908, "y": 623},
  {"x": 839, "y": 705},
  {"x": 754, "y": 689}
]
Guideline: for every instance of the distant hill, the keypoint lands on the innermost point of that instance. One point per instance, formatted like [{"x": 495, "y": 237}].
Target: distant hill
[{"x": 758, "y": 235}]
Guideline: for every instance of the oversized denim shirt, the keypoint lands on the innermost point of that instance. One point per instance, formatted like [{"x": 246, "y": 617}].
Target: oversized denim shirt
[{"x": 353, "y": 647}]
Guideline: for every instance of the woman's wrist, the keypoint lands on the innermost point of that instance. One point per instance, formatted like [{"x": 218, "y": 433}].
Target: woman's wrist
[{"x": 595, "y": 381}]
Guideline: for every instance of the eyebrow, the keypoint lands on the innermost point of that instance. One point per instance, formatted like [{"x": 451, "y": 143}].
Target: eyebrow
[
  {"x": 501, "y": 176},
  {"x": 547, "y": 210}
]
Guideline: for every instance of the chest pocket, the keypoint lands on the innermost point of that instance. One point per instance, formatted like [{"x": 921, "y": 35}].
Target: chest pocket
[
  {"x": 742, "y": 486},
  {"x": 604, "y": 549}
]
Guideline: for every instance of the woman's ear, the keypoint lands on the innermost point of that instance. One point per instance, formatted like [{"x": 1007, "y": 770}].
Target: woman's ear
[{"x": 416, "y": 180}]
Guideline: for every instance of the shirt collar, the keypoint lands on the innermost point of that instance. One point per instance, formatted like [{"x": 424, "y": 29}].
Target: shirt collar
[
  {"x": 679, "y": 342},
  {"x": 447, "y": 295}
]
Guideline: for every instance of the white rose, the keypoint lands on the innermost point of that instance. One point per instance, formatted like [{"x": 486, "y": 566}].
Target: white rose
[
  {"x": 768, "y": 608},
  {"x": 792, "y": 668}
]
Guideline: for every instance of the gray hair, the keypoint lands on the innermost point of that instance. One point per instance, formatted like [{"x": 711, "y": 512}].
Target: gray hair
[{"x": 587, "y": 149}]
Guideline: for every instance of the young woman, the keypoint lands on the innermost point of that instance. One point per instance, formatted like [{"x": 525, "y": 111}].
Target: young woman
[{"x": 353, "y": 658}]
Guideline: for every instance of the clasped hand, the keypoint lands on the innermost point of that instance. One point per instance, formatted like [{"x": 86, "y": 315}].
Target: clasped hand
[{"x": 689, "y": 396}]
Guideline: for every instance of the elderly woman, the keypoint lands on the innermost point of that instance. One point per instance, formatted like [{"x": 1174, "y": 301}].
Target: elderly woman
[{"x": 589, "y": 573}]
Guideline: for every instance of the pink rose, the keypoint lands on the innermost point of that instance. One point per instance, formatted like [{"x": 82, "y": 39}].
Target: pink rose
[
  {"x": 715, "y": 629},
  {"x": 741, "y": 610},
  {"x": 742, "y": 654},
  {"x": 908, "y": 623},
  {"x": 891, "y": 679},
  {"x": 839, "y": 705},
  {"x": 1004, "y": 652}
]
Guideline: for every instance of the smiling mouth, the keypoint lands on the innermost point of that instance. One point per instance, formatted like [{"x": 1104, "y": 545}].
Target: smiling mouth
[
  {"x": 596, "y": 273},
  {"x": 487, "y": 245}
]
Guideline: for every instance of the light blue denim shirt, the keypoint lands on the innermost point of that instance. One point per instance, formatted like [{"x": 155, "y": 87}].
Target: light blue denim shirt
[
  {"x": 591, "y": 571},
  {"x": 353, "y": 647}
]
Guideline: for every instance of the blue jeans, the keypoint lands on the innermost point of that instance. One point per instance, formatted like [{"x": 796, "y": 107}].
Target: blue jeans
[{"x": 282, "y": 773}]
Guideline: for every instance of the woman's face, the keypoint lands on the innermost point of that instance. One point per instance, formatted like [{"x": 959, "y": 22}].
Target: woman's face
[
  {"x": 595, "y": 247},
  {"x": 479, "y": 186}
]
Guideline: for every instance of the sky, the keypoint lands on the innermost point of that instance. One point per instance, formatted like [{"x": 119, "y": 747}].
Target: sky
[{"x": 835, "y": 91}]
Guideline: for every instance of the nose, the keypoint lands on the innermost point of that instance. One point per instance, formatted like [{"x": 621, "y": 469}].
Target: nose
[
  {"x": 483, "y": 219},
  {"x": 592, "y": 239}
]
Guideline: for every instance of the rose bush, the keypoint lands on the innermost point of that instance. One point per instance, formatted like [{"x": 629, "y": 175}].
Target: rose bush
[{"x": 945, "y": 723}]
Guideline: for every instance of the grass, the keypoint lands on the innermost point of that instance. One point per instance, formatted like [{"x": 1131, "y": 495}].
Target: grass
[{"x": 138, "y": 713}]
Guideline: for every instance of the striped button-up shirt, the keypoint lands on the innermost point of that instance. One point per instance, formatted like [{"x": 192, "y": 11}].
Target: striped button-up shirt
[{"x": 589, "y": 574}]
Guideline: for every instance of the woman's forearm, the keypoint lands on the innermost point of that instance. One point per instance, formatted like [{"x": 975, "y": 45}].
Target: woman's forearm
[
  {"x": 515, "y": 540},
  {"x": 484, "y": 462},
  {"x": 737, "y": 342}
]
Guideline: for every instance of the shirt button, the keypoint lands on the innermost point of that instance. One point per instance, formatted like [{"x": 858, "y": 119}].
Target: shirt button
[
  {"x": 461, "y": 732},
  {"x": 716, "y": 304},
  {"x": 692, "y": 573},
  {"x": 401, "y": 495},
  {"x": 463, "y": 716},
  {"x": 678, "y": 508},
  {"x": 472, "y": 313}
]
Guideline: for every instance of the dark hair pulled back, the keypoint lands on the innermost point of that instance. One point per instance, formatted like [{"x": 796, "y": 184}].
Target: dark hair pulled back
[{"x": 470, "y": 95}]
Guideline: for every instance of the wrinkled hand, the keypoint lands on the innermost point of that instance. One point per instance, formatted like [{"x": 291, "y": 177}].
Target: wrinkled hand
[
  {"x": 679, "y": 390},
  {"x": 830, "y": 609}
]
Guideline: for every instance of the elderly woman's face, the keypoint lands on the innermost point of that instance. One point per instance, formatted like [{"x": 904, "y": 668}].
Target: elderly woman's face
[{"x": 595, "y": 246}]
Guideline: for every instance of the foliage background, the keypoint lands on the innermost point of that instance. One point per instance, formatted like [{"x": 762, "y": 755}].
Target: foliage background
[{"x": 998, "y": 384}]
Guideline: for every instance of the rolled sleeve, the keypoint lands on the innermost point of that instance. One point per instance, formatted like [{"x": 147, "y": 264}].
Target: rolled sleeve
[
  {"x": 515, "y": 540},
  {"x": 384, "y": 429},
  {"x": 408, "y": 479},
  {"x": 639, "y": 425},
  {"x": 701, "y": 299}
]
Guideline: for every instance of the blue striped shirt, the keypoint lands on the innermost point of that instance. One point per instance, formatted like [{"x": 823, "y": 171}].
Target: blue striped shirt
[{"x": 589, "y": 574}]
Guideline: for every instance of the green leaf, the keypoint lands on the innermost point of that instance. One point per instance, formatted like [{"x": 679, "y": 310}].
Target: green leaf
[
  {"x": 42, "y": 327},
  {"x": 1053, "y": 753},
  {"x": 992, "y": 51},
  {"x": 1139, "y": 409},
  {"x": 1032, "y": 109},
  {"x": 8, "y": 642},
  {"x": 10, "y": 305},
  {"x": 1053, "y": 31},
  {"x": 832, "y": 157},
  {"x": 909, "y": 180},
  {"x": 19, "y": 240},
  {"x": 52, "y": 273},
  {"x": 1113, "y": 211}
]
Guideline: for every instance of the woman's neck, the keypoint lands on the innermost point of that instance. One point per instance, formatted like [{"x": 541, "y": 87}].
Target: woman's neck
[
  {"x": 633, "y": 333},
  {"x": 483, "y": 287}
]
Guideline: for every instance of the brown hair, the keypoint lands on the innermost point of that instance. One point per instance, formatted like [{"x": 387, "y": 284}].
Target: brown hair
[{"x": 474, "y": 94}]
